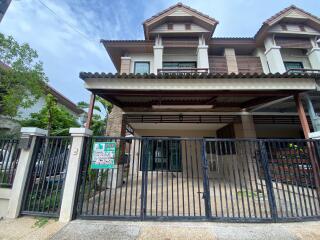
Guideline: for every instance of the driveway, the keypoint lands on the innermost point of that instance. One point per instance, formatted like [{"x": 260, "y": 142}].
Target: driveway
[{"x": 82, "y": 229}]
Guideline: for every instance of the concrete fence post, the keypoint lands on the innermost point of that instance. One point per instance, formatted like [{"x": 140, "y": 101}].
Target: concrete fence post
[
  {"x": 23, "y": 168},
  {"x": 71, "y": 181}
]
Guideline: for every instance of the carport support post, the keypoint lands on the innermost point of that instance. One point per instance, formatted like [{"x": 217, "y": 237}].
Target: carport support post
[
  {"x": 29, "y": 135},
  {"x": 302, "y": 116},
  {"x": 72, "y": 176}
]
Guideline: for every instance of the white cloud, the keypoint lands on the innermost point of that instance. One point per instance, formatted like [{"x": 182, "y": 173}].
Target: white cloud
[{"x": 63, "y": 50}]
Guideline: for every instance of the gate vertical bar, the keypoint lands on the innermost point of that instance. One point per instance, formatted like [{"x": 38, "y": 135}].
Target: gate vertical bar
[
  {"x": 144, "y": 168},
  {"x": 206, "y": 187},
  {"x": 268, "y": 179}
]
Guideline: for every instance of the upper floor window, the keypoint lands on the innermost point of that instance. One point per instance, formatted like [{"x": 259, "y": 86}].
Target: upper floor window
[
  {"x": 141, "y": 67},
  {"x": 188, "y": 26},
  {"x": 293, "y": 65}
]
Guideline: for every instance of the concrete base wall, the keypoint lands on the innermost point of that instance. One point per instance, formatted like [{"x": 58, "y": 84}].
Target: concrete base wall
[{"x": 5, "y": 194}]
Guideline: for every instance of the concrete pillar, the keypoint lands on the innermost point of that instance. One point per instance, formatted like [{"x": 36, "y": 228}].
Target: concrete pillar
[
  {"x": 125, "y": 65},
  {"x": 314, "y": 135},
  {"x": 22, "y": 171},
  {"x": 314, "y": 57},
  {"x": 202, "y": 54},
  {"x": 302, "y": 116},
  {"x": 157, "y": 55},
  {"x": 231, "y": 59},
  {"x": 260, "y": 53},
  {"x": 274, "y": 58},
  {"x": 71, "y": 181},
  {"x": 248, "y": 127}
]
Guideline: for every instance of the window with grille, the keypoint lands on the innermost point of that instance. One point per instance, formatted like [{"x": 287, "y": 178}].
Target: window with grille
[{"x": 293, "y": 65}]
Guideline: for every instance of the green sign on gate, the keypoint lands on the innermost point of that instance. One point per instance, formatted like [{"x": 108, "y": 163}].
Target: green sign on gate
[{"x": 103, "y": 155}]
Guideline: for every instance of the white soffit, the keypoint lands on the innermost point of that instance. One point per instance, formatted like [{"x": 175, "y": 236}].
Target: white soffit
[{"x": 202, "y": 84}]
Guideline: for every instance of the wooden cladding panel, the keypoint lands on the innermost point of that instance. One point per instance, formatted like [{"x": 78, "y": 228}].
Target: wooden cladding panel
[
  {"x": 286, "y": 42},
  {"x": 249, "y": 64},
  {"x": 218, "y": 64},
  {"x": 180, "y": 43}
]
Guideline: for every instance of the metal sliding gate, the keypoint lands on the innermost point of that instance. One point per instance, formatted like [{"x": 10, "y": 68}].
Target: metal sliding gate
[
  {"x": 201, "y": 179},
  {"x": 43, "y": 191}
]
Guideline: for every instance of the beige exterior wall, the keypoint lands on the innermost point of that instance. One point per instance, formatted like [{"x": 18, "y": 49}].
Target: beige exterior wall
[
  {"x": 231, "y": 60},
  {"x": 183, "y": 55},
  {"x": 125, "y": 65}
]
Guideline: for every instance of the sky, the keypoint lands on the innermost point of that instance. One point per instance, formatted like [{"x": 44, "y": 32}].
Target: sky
[{"x": 66, "y": 33}]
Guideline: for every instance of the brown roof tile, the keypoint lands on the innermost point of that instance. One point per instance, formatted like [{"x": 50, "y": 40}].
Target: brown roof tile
[
  {"x": 86, "y": 75},
  {"x": 180, "y": 5}
]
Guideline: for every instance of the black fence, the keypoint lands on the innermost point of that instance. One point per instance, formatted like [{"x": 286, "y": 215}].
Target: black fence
[
  {"x": 44, "y": 187},
  {"x": 9, "y": 155},
  {"x": 200, "y": 179}
]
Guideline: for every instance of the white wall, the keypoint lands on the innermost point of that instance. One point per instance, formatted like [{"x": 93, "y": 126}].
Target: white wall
[
  {"x": 5, "y": 194},
  {"x": 295, "y": 55},
  {"x": 141, "y": 58},
  {"x": 26, "y": 112}
]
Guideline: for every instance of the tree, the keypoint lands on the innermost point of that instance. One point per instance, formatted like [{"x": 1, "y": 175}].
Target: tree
[
  {"x": 22, "y": 79},
  {"x": 52, "y": 117},
  {"x": 98, "y": 124}
]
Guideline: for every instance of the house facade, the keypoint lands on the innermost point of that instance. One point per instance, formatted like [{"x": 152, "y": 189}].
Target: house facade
[
  {"x": 202, "y": 128},
  {"x": 182, "y": 81}
]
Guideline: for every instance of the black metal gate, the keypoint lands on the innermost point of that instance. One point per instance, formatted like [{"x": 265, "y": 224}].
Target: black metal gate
[
  {"x": 43, "y": 192},
  {"x": 201, "y": 179}
]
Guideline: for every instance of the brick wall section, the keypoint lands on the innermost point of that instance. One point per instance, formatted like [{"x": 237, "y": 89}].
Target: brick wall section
[
  {"x": 125, "y": 65},
  {"x": 114, "y": 125},
  {"x": 231, "y": 60},
  {"x": 249, "y": 130}
]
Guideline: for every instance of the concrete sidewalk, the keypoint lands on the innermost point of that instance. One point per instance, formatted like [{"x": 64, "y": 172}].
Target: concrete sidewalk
[
  {"x": 81, "y": 229},
  {"x": 28, "y": 228}
]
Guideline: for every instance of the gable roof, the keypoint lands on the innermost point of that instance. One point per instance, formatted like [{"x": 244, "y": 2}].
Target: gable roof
[
  {"x": 63, "y": 100},
  {"x": 290, "y": 12},
  {"x": 179, "y": 6},
  {"x": 60, "y": 97}
]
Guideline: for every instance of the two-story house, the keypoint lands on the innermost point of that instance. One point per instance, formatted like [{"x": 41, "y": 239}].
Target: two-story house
[
  {"x": 182, "y": 81},
  {"x": 190, "y": 99}
]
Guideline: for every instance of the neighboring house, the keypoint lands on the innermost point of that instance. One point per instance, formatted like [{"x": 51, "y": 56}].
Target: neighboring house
[
  {"x": 9, "y": 125},
  {"x": 62, "y": 101}
]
